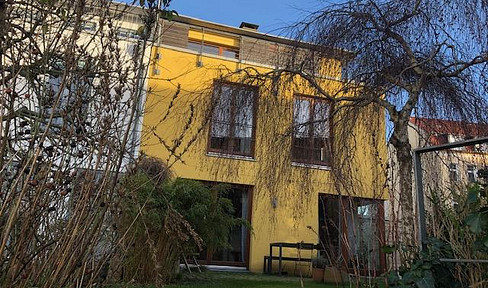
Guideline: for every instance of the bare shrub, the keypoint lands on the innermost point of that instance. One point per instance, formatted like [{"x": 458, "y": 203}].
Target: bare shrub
[{"x": 70, "y": 96}]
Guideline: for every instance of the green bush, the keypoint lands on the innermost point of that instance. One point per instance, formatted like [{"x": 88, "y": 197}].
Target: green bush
[
  {"x": 477, "y": 220},
  {"x": 161, "y": 218},
  {"x": 459, "y": 229},
  {"x": 207, "y": 210},
  {"x": 425, "y": 270}
]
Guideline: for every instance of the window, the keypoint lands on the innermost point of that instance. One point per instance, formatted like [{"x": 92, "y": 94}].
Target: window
[
  {"x": 483, "y": 173},
  {"x": 84, "y": 25},
  {"x": 233, "y": 120},
  {"x": 213, "y": 49},
  {"x": 439, "y": 139},
  {"x": 311, "y": 130},
  {"x": 453, "y": 172},
  {"x": 213, "y": 43},
  {"x": 71, "y": 110},
  {"x": 128, "y": 33},
  {"x": 471, "y": 171}
]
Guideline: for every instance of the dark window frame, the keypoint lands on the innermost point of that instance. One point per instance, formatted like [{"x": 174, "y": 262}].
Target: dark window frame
[
  {"x": 229, "y": 151},
  {"x": 313, "y": 100},
  {"x": 126, "y": 33}
]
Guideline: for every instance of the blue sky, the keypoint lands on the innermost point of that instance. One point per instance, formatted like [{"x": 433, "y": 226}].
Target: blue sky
[{"x": 271, "y": 15}]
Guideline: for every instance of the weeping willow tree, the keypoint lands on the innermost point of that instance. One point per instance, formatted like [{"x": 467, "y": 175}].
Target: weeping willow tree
[{"x": 426, "y": 58}]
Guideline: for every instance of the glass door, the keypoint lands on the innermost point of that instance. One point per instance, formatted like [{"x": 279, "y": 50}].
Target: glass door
[
  {"x": 237, "y": 253},
  {"x": 352, "y": 230}
]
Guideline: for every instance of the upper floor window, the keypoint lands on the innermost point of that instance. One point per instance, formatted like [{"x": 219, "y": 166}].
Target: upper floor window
[
  {"x": 128, "y": 33},
  {"x": 213, "y": 43},
  {"x": 232, "y": 128},
  {"x": 439, "y": 139},
  {"x": 84, "y": 25},
  {"x": 66, "y": 98},
  {"x": 311, "y": 130},
  {"x": 213, "y": 49},
  {"x": 471, "y": 171},
  {"x": 453, "y": 172}
]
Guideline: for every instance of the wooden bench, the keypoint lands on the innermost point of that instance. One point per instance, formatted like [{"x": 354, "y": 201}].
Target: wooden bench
[{"x": 294, "y": 259}]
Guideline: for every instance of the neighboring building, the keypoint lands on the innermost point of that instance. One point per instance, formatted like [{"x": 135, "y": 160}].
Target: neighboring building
[
  {"x": 445, "y": 171},
  {"x": 72, "y": 98},
  {"x": 274, "y": 146},
  {"x": 452, "y": 168}
]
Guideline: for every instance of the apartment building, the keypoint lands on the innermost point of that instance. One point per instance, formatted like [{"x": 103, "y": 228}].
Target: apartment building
[{"x": 452, "y": 168}]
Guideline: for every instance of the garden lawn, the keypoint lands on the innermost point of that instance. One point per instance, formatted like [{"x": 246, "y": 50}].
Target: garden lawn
[{"x": 242, "y": 280}]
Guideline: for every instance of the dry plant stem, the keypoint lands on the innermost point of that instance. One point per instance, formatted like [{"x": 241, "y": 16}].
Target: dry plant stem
[{"x": 52, "y": 219}]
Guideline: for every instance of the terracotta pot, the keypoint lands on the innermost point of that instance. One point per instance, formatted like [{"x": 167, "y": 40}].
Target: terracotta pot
[
  {"x": 318, "y": 274},
  {"x": 332, "y": 275}
]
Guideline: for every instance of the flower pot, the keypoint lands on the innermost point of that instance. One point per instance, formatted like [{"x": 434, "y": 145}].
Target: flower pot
[
  {"x": 318, "y": 274},
  {"x": 332, "y": 275}
]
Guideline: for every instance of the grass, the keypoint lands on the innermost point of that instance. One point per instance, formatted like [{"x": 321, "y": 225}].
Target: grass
[
  {"x": 237, "y": 280},
  {"x": 242, "y": 280}
]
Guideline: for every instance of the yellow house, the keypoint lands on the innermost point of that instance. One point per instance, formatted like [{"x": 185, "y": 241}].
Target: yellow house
[{"x": 212, "y": 116}]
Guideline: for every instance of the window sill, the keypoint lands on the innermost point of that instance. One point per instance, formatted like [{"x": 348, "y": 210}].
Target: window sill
[
  {"x": 313, "y": 166},
  {"x": 230, "y": 156}
]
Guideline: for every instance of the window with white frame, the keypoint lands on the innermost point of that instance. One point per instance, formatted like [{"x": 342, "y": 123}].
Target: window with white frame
[
  {"x": 66, "y": 99},
  {"x": 471, "y": 173},
  {"x": 453, "y": 172}
]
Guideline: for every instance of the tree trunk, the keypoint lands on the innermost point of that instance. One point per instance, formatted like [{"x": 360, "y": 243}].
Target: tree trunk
[{"x": 404, "y": 165}]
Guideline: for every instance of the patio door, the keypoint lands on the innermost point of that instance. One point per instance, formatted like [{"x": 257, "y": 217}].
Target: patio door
[
  {"x": 352, "y": 231},
  {"x": 237, "y": 254}
]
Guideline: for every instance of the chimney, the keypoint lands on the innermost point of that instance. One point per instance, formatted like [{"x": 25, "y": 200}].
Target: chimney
[{"x": 249, "y": 26}]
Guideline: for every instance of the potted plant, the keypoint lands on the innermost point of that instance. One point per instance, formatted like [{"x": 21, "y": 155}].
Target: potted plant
[
  {"x": 318, "y": 265},
  {"x": 333, "y": 275}
]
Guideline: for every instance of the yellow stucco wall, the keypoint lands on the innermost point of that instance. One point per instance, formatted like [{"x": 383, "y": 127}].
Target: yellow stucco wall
[{"x": 294, "y": 189}]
